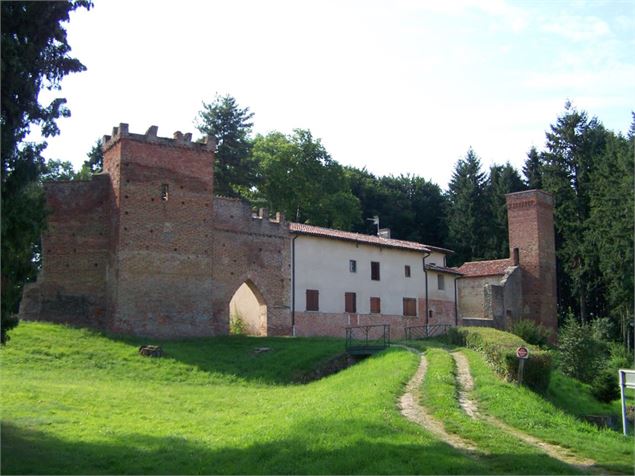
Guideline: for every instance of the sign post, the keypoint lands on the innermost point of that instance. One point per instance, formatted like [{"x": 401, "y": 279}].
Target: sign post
[
  {"x": 523, "y": 354},
  {"x": 627, "y": 380}
]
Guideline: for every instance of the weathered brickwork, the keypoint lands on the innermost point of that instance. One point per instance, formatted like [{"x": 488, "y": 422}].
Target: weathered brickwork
[
  {"x": 145, "y": 249},
  {"x": 531, "y": 231}
]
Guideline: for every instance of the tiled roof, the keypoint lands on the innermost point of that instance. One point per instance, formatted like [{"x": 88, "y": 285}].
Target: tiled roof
[
  {"x": 303, "y": 229},
  {"x": 442, "y": 269},
  {"x": 485, "y": 268}
]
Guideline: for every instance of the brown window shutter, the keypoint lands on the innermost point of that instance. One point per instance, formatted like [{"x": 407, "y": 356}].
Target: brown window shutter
[
  {"x": 409, "y": 307},
  {"x": 312, "y": 300},
  {"x": 350, "y": 302},
  {"x": 375, "y": 305}
]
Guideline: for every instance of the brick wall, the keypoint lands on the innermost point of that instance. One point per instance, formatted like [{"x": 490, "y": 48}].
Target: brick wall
[{"x": 531, "y": 230}]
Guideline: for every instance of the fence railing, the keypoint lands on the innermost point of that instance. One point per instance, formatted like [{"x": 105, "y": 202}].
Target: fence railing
[
  {"x": 367, "y": 339},
  {"x": 424, "y": 332}
]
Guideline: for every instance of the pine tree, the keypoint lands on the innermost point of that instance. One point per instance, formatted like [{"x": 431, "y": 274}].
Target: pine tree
[
  {"x": 532, "y": 170},
  {"x": 467, "y": 210}
]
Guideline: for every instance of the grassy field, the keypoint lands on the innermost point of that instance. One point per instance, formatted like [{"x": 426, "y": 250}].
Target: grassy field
[
  {"x": 79, "y": 402},
  {"x": 76, "y": 402}
]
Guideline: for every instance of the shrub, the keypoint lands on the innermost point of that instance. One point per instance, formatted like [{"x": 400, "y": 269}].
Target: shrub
[
  {"x": 531, "y": 332},
  {"x": 499, "y": 349},
  {"x": 580, "y": 354},
  {"x": 455, "y": 336},
  {"x": 237, "y": 325},
  {"x": 605, "y": 386}
]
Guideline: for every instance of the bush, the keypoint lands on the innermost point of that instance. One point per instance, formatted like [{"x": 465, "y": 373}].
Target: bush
[
  {"x": 605, "y": 386},
  {"x": 580, "y": 354},
  {"x": 499, "y": 349},
  {"x": 455, "y": 336},
  {"x": 236, "y": 325},
  {"x": 531, "y": 332}
]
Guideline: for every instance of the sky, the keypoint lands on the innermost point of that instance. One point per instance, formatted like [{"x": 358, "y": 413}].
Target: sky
[{"x": 397, "y": 87}]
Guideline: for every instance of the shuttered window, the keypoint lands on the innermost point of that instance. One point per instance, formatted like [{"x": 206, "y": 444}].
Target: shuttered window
[
  {"x": 375, "y": 305},
  {"x": 374, "y": 270},
  {"x": 409, "y": 307},
  {"x": 312, "y": 300},
  {"x": 350, "y": 302}
]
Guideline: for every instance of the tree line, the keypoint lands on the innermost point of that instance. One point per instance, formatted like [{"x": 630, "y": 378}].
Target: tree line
[{"x": 588, "y": 168}]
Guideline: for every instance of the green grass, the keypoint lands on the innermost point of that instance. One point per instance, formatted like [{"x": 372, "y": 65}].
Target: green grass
[
  {"x": 78, "y": 402},
  {"x": 528, "y": 411},
  {"x": 500, "y": 451}
]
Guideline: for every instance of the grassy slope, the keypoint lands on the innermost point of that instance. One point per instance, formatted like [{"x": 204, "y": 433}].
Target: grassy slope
[
  {"x": 74, "y": 401},
  {"x": 502, "y": 452},
  {"x": 527, "y": 411}
]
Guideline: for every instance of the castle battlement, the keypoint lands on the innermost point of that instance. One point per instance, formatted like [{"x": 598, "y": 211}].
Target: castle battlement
[{"x": 178, "y": 139}]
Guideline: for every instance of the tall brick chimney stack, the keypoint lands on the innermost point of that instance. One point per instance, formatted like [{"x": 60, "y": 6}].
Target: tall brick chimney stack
[{"x": 531, "y": 231}]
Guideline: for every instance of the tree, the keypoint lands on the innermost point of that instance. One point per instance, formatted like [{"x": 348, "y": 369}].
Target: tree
[
  {"x": 574, "y": 146},
  {"x": 94, "y": 162},
  {"x": 35, "y": 55},
  {"x": 235, "y": 172},
  {"x": 467, "y": 210},
  {"x": 610, "y": 226},
  {"x": 532, "y": 170},
  {"x": 503, "y": 179},
  {"x": 301, "y": 179}
]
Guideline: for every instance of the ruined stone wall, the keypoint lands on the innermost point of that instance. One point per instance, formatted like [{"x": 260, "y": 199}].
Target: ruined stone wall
[
  {"x": 161, "y": 281},
  {"x": 71, "y": 287},
  {"x": 531, "y": 230},
  {"x": 254, "y": 248}
]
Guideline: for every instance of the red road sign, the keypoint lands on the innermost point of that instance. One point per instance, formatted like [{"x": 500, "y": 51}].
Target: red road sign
[{"x": 522, "y": 353}]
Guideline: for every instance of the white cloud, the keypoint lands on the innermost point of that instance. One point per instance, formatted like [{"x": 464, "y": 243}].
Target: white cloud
[{"x": 578, "y": 28}]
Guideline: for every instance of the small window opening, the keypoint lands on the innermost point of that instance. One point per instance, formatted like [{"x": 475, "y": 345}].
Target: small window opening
[
  {"x": 407, "y": 271},
  {"x": 375, "y": 305},
  {"x": 430, "y": 314},
  {"x": 374, "y": 270},
  {"x": 440, "y": 282},
  {"x": 352, "y": 266},
  {"x": 165, "y": 192},
  {"x": 350, "y": 302},
  {"x": 312, "y": 300}
]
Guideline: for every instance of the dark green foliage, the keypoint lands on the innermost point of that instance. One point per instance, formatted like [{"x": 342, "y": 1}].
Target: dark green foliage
[
  {"x": 605, "y": 386},
  {"x": 35, "y": 55},
  {"x": 531, "y": 332},
  {"x": 95, "y": 160},
  {"x": 235, "y": 171},
  {"x": 503, "y": 179},
  {"x": 532, "y": 170},
  {"x": 499, "y": 349},
  {"x": 580, "y": 354},
  {"x": 412, "y": 207},
  {"x": 467, "y": 210},
  {"x": 299, "y": 178}
]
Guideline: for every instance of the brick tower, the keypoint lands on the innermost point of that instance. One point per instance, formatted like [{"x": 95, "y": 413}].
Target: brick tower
[
  {"x": 160, "y": 269},
  {"x": 531, "y": 232}
]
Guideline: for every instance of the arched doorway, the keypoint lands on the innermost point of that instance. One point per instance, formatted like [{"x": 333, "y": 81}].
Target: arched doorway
[{"x": 248, "y": 311}]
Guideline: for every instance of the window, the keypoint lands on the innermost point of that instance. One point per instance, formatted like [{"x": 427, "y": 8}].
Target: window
[
  {"x": 375, "y": 305},
  {"x": 312, "y": 300},
  {"x": 440, "y": 281},
  {"x": 410, "y": 307},
  {"x": 430, "y": 314},
  {"x": 406, "y": 270},
  {"x": 165, "y": 190},
  {"x": 374, "y": 270},
  {"x": 350, "y": 302},
  {"x": 352, "y": 266}
]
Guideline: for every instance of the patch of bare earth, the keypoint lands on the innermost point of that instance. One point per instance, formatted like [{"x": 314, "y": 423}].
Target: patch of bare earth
[
  {"x": 411, "y": 408},
  {"x": 466, "y": 385}
]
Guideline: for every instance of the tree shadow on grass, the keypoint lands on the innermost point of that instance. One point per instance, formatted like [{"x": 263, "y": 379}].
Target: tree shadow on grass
[{"x": 26, "y": 451}]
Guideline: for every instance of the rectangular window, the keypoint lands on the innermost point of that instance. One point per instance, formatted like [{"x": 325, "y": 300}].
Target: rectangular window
[
  {"x": 406, "y": 270},
  {"x": 440, "y": 281},
  {"x": 352, "y": 266},
  {"x": 375, "y": 305},
  {"x": 410, "y": 307},
  {"x": 374, "y": 270},
  {"x": 165, "y": 191},
  {"x": 312, "y": 300},
  {"x": 350, "y": 302}
]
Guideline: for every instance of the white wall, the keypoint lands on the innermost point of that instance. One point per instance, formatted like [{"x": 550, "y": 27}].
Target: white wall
[{"x": 323, "y": 264}]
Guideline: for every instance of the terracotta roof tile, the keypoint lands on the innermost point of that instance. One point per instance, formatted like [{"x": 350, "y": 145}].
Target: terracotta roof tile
[
  {"x": 303, "y": 229},
  {"x": 485, "y": 268}
]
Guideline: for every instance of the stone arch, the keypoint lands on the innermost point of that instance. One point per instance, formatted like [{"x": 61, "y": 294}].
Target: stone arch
[{"x": 248, "y": 308}]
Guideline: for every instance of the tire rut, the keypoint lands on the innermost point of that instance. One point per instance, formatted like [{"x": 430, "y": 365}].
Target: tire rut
[{"x": 466, "y": 385}]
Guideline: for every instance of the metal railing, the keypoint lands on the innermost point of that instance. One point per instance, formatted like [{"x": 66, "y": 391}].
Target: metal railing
[
  {"x": 367, "y": 339},
  {"x": 425, "y": 332}
]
